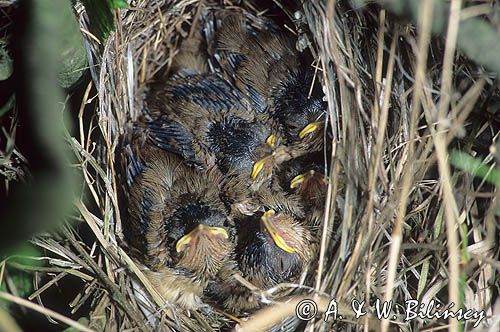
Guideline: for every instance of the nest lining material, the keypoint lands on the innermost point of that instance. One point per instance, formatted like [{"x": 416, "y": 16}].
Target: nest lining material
[{"x": 382, "y": 197}]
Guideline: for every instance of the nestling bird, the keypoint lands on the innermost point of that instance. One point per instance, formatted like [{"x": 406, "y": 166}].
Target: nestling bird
[
  {"x": 206, "y": 121},
  {"x": 273, "y": 247},
  {"x": 265, "y": 66},
  {"x": 176, "y": 225},
  {"x": 305, "y": 176},
  {"x": 201, "y": 202}
]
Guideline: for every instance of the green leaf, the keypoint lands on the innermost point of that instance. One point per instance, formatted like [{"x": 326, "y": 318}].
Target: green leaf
[
  {"x": 21, "y": 281},
  {"x": 39, "y": 204},
  {"x": 83, "y": 320},
  {"x": 23, "y": 254},
  {"x": 73, "y": 56},
  {"x": 101, "y": 16},
  {"x": 117, "y": 4},
  {"x": 5, "y": 64},
  {"x": 475, "y": 166}
]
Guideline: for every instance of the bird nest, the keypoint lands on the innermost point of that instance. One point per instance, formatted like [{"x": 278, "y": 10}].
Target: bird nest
[{"x": 399, "y": 224}]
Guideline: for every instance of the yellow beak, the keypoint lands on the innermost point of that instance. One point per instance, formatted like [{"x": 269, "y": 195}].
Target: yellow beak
[
  {"x": 271, "y": 140},
  {"x": 311, "y": 127},
  {"x": 296, "y": 181},
  {"x": 258, "y": 166},
  {"x": 186, "y": 239},
  {"x": 275, "y": 232}
]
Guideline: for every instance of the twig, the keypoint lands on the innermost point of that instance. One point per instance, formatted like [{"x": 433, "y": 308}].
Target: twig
[{"x": 44, "y": 311}]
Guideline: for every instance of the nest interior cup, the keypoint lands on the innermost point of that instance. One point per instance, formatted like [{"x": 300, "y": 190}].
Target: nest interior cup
[
  {"x": 236, "y": 100},
  {"x": 149, "y": 51}
]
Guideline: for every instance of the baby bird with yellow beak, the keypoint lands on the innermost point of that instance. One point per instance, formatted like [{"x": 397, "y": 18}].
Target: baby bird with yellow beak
[
  {"x": 273, "y": 247},
  {"x": 232, "y": 139},
  {"x": 209, "y": 122},
  {"x": 305, "y": 176},
  {"x": 176, "y": 225},
  {"x": 264, "y": 64}
]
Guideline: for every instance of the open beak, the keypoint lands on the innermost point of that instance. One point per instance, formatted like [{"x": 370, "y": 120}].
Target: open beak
[
  {"x": 200, "y": 230},
  {"x": 277, "y": 234},
  {"x": 271, "y": 140},
  {"x": 311, "y": 127},
  {"x": 258, "y": 166},
  {"x": 296, "y": 181}
]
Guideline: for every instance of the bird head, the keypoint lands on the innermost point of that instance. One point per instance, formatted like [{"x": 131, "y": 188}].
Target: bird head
[
  {"x": 269, "y": 156},
  {"x": 203, "y": 239},
  {"x": 301, "y": 114},
  {"x": 305, "y": 176},
  {"x": 286, "y": 233},
  {"x": 274, "y": 248},
  {"x": 201, "y": 236},
  {"x": 311, "y": 185},
  {"x": 243, "y": 146}
]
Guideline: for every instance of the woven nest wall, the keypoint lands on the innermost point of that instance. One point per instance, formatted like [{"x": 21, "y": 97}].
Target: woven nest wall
[{"x": 390, "y": 202}]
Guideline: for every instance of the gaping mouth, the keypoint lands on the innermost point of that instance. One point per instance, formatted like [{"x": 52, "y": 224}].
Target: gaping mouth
[
  {"x": 278, "y": 235},
  {"x": 271, "y": 140},
  {"x": 299, "y": 179},
  {"x": 196, "y": 233},
  {"x": 310, "y": 128},
  {"x": 259, "y": 166}
]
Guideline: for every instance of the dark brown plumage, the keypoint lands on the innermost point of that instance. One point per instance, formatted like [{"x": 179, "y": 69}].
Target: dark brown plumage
[
  {"x": 265, "y": 66},
  {"x": 202, "y": 204},
  {"x": 305, "y": 176},
  {"x": 202, "y": 119},
  {"x": 209, "y": 122},
  {"x": 273, "y": 247},
  {"x": 176, "y": 224}
]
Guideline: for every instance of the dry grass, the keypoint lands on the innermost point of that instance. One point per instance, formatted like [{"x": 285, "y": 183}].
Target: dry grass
[
  {"x": 13, "y": 164},
  {"x": 400, "y": 222}
]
